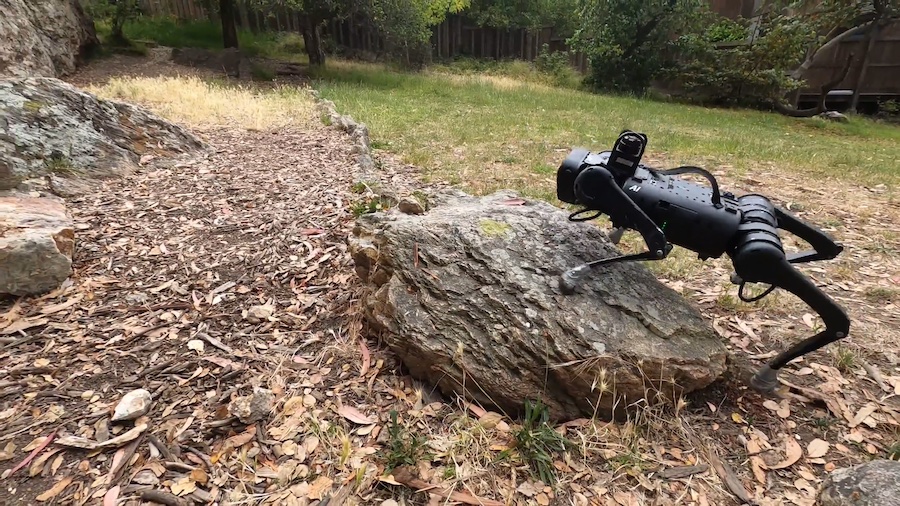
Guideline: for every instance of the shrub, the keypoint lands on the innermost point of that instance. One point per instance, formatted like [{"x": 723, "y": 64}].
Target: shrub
[{"x": 750, "y": 72}]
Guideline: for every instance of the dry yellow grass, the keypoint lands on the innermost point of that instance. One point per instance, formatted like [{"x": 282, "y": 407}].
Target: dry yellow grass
[{"x": 200, "y": 104}]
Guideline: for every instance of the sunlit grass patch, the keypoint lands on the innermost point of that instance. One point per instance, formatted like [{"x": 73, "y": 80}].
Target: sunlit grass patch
[{"x": 198, "y": 103}]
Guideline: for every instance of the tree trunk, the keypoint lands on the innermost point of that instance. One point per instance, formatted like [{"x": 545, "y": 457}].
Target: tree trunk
[
  {"x": 824, "y": 90},
  {"x": 229, "y": 30},
  {"x": 312, "y": 39},
  {"x": 243, "y": 15},
  {"x": 869, "y": 43}
]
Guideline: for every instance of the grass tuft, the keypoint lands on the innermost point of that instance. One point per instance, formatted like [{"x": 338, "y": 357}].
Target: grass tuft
[
  {"x": 405, "y": 447},
  {"x": 537, "y": 441}
]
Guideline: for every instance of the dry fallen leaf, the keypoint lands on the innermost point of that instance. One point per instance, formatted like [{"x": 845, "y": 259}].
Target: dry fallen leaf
[
  {"x": 792, "y": 453},
  {"x": 55, "y": 490},
  {"x": 817, "y": 448},
  {"x": 184, "y": 486},
  {"x": 111, "y": 496},
  {"x": 319, "y": 486},
  {"x": 354, "y": 415},
  {"x": 243, "y": 438},
  {"x": 756, "y": 462},
  {"x": 196, "y": 345}
]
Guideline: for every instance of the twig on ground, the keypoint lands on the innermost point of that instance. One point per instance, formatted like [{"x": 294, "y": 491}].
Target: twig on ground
[
  {"x": 161, "y": 497},
  {"x": 872, "y": 371}
]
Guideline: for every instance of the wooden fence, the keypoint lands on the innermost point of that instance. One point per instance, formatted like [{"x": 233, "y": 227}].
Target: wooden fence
[{"x": 456, "y": 36}]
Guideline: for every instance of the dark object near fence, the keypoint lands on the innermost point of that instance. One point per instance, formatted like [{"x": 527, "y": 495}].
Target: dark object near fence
[{"x": 669, "y": 211}]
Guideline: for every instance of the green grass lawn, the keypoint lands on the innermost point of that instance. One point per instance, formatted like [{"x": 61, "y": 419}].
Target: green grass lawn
[
  {"x": 486, "y": 133},
  {"x": 488, "y": 125}
]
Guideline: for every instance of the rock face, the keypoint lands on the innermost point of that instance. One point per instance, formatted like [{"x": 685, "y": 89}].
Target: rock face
[
  {"x": 36, "y": 245},
  {"x": 49, "y": 126},
  {"x": 875, "y": 483},
  {"x": 45, "y": 38},
  {"x": 467, "y": 295}
]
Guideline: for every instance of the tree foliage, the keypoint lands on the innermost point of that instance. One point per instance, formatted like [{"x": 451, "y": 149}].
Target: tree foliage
[
  {"x": 730, "y": 63},
  {"x": 117, "y": 12},
  {"x": 628, "y": 41},
  {"x": 530, "y": 14},
  {"x": 406, "y": 25}
]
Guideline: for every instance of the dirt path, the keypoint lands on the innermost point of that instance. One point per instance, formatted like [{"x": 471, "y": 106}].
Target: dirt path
[{"x": 199, "y": 280}]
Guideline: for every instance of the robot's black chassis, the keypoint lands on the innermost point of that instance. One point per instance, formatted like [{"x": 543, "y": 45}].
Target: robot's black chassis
[{"x": 667, "y": 210}]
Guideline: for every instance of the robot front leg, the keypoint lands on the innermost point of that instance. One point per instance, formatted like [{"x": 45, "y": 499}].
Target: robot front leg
[{"x": 765, "y": 263}]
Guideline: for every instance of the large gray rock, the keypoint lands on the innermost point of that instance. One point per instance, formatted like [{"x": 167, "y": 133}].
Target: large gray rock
[
  {"x": 36, "y": 245},
  {"x": 49, "y": 126},
  {"x": 467, "y": 295},
  {"x": 43, "y": 37},
  {"x": 875, "y": 483}
]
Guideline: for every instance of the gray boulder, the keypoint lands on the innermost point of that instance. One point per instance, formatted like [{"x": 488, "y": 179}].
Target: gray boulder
[
  {"x": 46, "y": 38},
  {"x": 36, "y": 245},
  {"x": 48, "y": 126},
  {"x": 467, "y": 295},
  {"x": 874, "y": 483}
]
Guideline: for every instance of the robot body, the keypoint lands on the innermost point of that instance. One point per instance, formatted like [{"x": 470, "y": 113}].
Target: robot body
[{"x": 668, "y": 211}]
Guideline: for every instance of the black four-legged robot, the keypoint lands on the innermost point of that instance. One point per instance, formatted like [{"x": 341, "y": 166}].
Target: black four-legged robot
[{"x": 669, "y": 211}]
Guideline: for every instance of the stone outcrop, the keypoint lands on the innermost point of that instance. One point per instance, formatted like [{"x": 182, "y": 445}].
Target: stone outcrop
[
  {"x": 46, "y": 38},
  {"x": 36, "y": 245},
  {"x": 48, "y": 126},
  {"x": 875, "y": 483},
  {"x": 467, "y": 295}
]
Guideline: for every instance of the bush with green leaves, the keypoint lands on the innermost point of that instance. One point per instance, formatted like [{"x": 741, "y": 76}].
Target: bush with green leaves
[
  {"x": 555, "y": 65},
  {"x": 628, "y": 42},
  {"x": 753, "y": 71},
  {"x": 116, "y": 13}
]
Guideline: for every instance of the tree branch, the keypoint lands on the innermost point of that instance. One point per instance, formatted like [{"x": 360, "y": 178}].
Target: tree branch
[
  {"x": 798, "y": 72},
  {"x": 825, "y": 89},
  {"x": 643, "y": 31}
]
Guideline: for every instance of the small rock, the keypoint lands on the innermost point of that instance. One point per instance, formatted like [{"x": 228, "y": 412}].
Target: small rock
[
  {"x": 134, "y": 404},
  {"x": 254, "y": 407},
  {"x": 36, "y": 245},
  {"x": 410, "y": 205},
  {"x": 875, "y": 483},
  {"x": 834, "y": 116}
]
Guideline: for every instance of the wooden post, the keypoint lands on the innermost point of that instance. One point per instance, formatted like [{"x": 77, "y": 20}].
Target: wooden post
[
  {"x": 458, "y": 35},
  {"x": 445, "y": 27}
]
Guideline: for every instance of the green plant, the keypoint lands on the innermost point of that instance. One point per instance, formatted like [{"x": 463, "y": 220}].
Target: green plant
[
  {"x": 881, "y": 294},
  {"x": 844, "y": 359},
  {"x": 372, "y": 205},
  {"x": 537, "y": 441},
  {"x": 628, "y": 42},
  {"x": 752, "y": 74},
  {"x": 59, "y": 165},
  {"x": 555, "y": 64},
  {"x": 404, "y": 448}
]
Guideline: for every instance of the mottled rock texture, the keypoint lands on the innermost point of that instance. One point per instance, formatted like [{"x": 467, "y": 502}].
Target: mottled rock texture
[
  {"x": 36, "y": 245},
  {"x": 49, "y": 126},
  {"x": 875, "y": 483},
  {"x": 47, "y": 38},
  {"x": 467, "y": 295}
]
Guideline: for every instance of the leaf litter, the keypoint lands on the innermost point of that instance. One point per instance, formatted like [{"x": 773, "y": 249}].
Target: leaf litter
[{"x": 203, "y": 279}]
